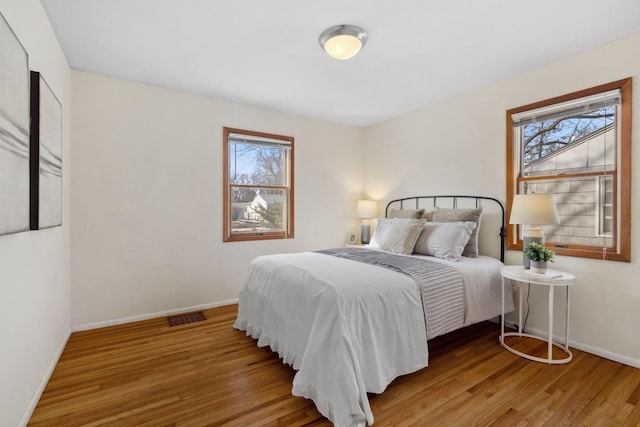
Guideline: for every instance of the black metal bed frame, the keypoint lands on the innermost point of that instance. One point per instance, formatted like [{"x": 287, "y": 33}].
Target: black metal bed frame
[{"x": 417, "y": 199}]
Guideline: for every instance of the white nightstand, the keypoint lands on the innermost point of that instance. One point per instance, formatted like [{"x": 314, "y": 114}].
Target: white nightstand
[{"x": 551, "y": 279}]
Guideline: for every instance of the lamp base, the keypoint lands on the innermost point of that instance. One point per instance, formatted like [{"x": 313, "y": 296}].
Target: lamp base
[{"x": 365, "y": 233}]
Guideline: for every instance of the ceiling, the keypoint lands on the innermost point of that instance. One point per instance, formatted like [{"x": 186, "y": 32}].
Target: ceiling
[{"x": 266, "y": 53}]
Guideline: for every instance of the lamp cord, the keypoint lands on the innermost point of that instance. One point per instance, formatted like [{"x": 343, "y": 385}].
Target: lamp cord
[{"x": 524, "y": 323}]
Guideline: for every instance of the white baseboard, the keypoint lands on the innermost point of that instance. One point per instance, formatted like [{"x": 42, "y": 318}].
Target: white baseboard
[
  {"x": 625, "y": 360},
  {"x": 43, "y": 382},
  {"x": 148, "y": 316}
]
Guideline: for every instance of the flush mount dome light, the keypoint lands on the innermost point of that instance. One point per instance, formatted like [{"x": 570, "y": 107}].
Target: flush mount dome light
[{"x": 343, "y": 41}]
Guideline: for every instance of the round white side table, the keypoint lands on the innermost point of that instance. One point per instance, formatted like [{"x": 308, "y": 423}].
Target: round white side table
[{"x": 551, "y": 279}]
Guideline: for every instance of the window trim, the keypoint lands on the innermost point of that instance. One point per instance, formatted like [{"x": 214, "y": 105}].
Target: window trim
[
  {"x": 227, "y": 235},
  {"x": 621, "y": 250}
]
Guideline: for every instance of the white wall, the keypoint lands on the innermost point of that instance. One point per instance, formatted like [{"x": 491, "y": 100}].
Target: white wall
[
  {"x": 34, "y": 266},
  {"x": 146, "y": 176},
  {"x": 147, "y": 196},
  {"x": 458, "y": 146}
]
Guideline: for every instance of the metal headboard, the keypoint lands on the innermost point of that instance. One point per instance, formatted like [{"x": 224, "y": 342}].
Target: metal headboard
[{"x": 415, "y": 203}]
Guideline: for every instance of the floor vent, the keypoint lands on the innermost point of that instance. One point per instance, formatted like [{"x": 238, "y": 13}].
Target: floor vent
[{"x": 183, "y": 319}]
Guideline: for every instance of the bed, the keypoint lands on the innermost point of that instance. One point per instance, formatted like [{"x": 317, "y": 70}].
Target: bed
[{"x": 350, "y": 320}]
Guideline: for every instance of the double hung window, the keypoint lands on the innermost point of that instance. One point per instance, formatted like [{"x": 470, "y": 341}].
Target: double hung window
[
  {"x": 258, "y": 185},
  {"x": 576, "y": 147}
]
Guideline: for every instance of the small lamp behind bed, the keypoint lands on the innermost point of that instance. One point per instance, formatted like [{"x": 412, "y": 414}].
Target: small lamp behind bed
[
  {"x": 531, "y": 211},
  {"x": 366, "y": 210}
]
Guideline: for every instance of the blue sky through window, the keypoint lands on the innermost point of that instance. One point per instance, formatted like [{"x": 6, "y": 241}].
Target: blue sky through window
[{"x": 543, "y": 138}]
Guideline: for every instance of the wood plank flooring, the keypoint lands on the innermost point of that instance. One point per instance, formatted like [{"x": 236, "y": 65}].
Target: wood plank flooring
[{"x": 208, "y": 374}]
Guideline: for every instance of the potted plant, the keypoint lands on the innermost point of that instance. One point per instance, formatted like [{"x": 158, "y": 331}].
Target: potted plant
[{"x": 539, "y": 256}]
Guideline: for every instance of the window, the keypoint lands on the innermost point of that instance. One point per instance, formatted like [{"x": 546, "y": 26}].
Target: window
[
  {"x": 258, "y": 185},
  {"x": 578, "y": 148}
]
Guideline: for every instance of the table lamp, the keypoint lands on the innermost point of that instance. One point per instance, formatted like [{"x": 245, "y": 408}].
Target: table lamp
[
  {"x": 531, "y": 211},
  {"x": 366, "y": 210}
]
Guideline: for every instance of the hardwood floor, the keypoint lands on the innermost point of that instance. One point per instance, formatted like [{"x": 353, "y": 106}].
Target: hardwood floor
[{"x": 208, "y": 374}]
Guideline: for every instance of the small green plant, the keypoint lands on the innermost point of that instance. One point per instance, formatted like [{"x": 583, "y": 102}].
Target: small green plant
[{"x": 537, "y": 252}]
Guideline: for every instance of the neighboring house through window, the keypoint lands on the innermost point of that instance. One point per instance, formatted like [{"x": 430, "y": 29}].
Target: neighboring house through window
[
  {"x": 258, "y": 185},
  {"x": 578, "y": 148}
]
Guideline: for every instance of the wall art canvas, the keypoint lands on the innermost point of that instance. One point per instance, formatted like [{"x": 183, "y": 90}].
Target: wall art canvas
[
  {"x": 46, "y": 155},
  {"x": 14, "y": 132}
]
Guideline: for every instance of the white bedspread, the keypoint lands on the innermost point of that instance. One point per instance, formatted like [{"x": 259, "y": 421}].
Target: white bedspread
[
  {"x": 482, "y": 281},
  {"x": 344, "y": 336},
  {"x": 349, "y": 328}
]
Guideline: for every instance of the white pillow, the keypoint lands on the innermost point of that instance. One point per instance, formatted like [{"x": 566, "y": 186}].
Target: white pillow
[
  {"x": 444, "y": 240},
  {"x": 402, "y": 235},
  {"x": 380, "y": 232},
  {"x": 458, "y": 215}
]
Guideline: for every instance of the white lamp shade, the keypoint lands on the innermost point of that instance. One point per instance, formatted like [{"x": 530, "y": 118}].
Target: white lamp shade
[
  {"x": 367, "y": 209},
  {"x": 533, "y": 209}
]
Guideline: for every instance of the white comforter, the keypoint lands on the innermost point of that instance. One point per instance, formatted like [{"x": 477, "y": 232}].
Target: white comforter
[{"x": 348, "y": 328}]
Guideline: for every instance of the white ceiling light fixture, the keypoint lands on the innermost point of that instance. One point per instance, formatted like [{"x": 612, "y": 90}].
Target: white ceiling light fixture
[{"x": 343, "y": 41}]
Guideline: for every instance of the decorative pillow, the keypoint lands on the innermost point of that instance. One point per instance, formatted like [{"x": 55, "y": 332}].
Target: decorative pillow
[
  {"x": 444, "y": 239},
  {"x": 405, "y": 213},
  {"x": 402, "y": 235},
  {"x": 380, "y": 232},
  {"x": 462, "y": 215}
]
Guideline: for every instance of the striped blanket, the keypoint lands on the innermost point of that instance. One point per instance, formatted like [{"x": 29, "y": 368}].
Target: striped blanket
[{"x": 441, "y": 287}]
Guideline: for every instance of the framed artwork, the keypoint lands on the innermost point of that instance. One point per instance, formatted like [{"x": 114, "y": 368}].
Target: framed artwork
[
  {"x": 46, "y": 155},
  {"x": 14, "y": 132},
  {"x": 353, "y": 238}
]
